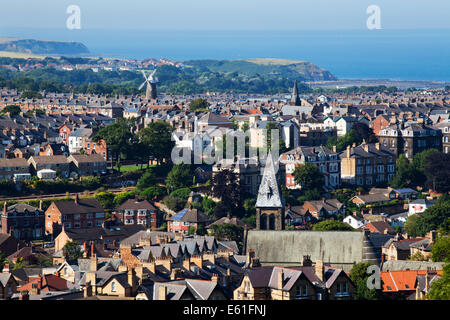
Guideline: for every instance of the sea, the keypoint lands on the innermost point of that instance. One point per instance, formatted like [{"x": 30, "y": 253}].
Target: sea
[{"x": 348, "y": 54}]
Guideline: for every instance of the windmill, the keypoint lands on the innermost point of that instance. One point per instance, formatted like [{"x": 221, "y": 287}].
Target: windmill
[{"x": 150, "y": 81}]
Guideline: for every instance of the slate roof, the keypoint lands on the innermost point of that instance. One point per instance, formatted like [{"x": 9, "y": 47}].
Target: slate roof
[
  {"x": 133, "y": 204},
  {"x": 395, "y": 265},
  {"x": 86, "y": 234},
  {"x": 83, "y": 206}
]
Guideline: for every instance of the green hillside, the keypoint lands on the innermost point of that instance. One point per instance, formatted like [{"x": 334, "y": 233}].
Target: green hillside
[
  {"x": 42, "y": 47},
  {"x": 293, "y": 70}
]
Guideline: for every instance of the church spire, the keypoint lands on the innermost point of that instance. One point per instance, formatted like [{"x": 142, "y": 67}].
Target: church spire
[
  {"x": 269, "y": 195},
  {"x": 295, "y": 99}
]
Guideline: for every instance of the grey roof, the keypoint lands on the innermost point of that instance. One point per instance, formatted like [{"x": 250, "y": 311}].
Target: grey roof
[
  {"x": 394, "y": 265},
  {"x": 335, "y": 248},
  {"x": 4, "y": 278}
]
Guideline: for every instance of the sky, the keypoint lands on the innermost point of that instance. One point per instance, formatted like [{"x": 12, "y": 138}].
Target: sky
[{"x": 225, "y": 14}]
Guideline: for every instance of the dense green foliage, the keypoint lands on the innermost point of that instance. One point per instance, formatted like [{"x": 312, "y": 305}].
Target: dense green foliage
[
  {"x": 228, "y": 231},
  {"x": 440, "y": 289},
  {"x": 359, "y": 277},
  {"x": 435, "y": 217},
  {"x": 156, "y": 141},
  {"x": 441, "y": 250},
  {"x": 329, "y": 225},
  {"x": 179, "y": 177},
  {"x": 72, "y": 251}
]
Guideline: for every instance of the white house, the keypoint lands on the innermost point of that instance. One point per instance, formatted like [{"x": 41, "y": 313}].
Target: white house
[
  {"x": 354, "y": 222},
  {"x": 418, "y": 206}
]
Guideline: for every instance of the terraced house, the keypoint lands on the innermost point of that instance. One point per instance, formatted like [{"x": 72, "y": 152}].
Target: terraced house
[
  {"x": 410, "y": 139},
  {"x": 11, "y": 167},
  {"x": 87, "y": 165},
  {"x": 306, "y": 282},
  {"x": 367, "y": 164},
  {"x": 326, "y": 160},
  {"x": 57, "y": 163}
]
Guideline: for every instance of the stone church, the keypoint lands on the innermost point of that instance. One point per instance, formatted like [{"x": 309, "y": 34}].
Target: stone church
[{"x": 269, "y": 203}]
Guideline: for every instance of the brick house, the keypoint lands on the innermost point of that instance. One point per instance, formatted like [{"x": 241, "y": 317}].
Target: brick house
[
  {"x": 10, "y": 167},
  {"x": 138, "y": 212},
  {"x": 77, "y": 214},
  {"x": 87, "y": 165},
  {"x": 54, "y": 149},
  {"x": 25, "y": 222},
  {"x": 100, "y": 147},
  {"x": 64, "y": 132},
  {"x": 106, "y": 237}
]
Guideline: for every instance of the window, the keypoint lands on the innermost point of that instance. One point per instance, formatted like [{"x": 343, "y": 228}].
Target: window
[
  {"x": 113, "y": 286},
  {"x": 301, "y": 291},
  {"x": 342, "y": 288}
]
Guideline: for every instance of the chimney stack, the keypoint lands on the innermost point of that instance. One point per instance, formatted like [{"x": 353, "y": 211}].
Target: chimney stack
[
  {"x": 319, "y": 269},
  {"x": 281, "y": 279},
  {"x": 162, "y": 292}
]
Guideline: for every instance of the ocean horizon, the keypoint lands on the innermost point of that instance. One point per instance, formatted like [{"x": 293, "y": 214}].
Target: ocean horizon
[{"x": 348, "y": 54}]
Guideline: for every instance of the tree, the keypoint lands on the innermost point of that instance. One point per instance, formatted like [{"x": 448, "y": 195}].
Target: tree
[
  {"x": 440, "y": 288},
  {"x": 179, "y": 177},
  {"x": 106, "y": 199},
  {"x": 118, "y": 137},
  {"x": 359, "y": 276},
  {"x": 418, "y": 256},
  {"x": 226, "y": 187},
  {"x": 174, "y": 203},
  {"x": 152, "y": 193},
  {"x": 13, "y": 110},
  {"x": 410, "y": 227},
  {"x": 437, "y": 171},
  {"x": 156, "y": 141},
  {"x": 441, "y": 250},
  {"x": 435, "y": 217},
  {"x": 198, "y": 104},
  {"x": 122, "y": 197},
  {"x": 309, "y": 177},
  {"x": 228, "y": 231},
  {"x": 147, "y": 180},
  {"x": 329, "y": 225},
  {"x": 404, "y": 174},
  {"x": 183, "y": 193},
  {"x": 72, "y": 251}
]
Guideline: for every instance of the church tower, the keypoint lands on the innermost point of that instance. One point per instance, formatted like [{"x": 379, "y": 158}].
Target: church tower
[
  {"x": 269, "y": 204},
  {"x": 295, "y": 99}
]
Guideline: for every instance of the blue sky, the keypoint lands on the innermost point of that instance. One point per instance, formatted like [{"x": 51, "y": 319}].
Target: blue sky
[{"x": 226, "y": 14}]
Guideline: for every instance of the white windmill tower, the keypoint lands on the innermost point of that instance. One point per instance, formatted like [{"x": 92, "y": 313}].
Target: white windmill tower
[{"x": 150, "y": 81}]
